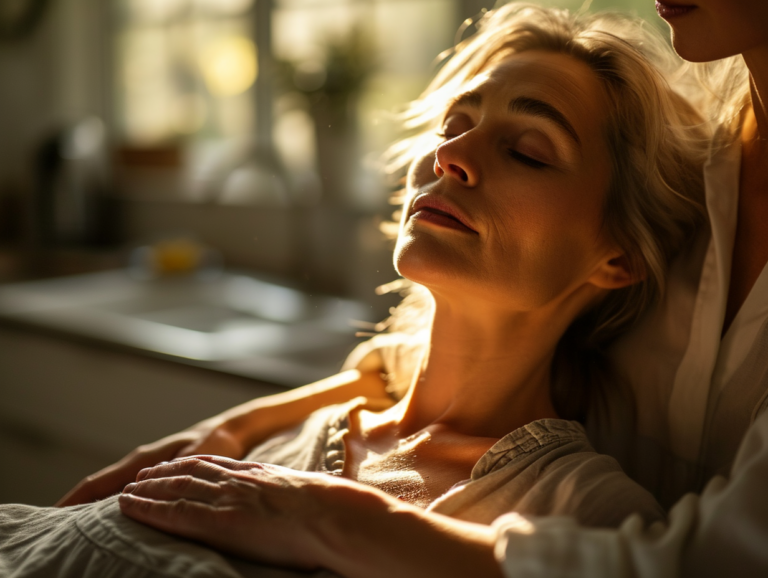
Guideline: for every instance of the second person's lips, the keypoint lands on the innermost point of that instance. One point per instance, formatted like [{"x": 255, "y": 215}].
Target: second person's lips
[{"x": 670, "y": 10}]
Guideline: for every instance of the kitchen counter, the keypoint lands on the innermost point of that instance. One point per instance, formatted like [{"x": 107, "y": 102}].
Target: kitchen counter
[
  {"x": 230, "y": 322},
  {"x": 91, "y": 366}
]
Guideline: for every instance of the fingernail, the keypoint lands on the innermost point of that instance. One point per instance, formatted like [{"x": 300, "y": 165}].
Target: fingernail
[
  {"x": 129, "y": 488},
  {"x": 126, "y": 500},
  {"x": 142, "y": 474}
]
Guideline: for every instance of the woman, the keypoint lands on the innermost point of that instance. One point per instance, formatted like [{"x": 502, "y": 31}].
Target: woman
[
  {"x": 232, "y": 433},
  {"x": 540, "y": 220},
  {"x": 725, "y": 530}
]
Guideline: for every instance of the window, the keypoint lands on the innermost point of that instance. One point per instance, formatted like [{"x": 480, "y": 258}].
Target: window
[
  {"x": 188, "y": 77},
  {"x": 185, "y": 67}
]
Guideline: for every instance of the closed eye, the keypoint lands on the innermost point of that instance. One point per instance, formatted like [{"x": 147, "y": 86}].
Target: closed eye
[{"x": 526, "y": 160}]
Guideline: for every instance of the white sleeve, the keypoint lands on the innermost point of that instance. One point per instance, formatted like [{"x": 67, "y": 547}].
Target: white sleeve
[{"x": 723, "y": 532}]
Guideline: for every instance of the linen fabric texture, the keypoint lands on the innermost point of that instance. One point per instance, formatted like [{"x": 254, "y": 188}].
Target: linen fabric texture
[{"x": 544, "y": 468}]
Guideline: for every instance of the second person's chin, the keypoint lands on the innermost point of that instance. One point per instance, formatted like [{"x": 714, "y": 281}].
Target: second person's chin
[
  {"x": 696, "y": 45},
  {"x": 694, "y": 50}
]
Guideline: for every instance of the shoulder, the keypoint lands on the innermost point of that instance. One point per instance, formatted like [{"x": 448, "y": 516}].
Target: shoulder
[
  {"x": 567, "y": 477},
  {"x": 394, "y": 355},
  {"x": 549, "y": 468}
]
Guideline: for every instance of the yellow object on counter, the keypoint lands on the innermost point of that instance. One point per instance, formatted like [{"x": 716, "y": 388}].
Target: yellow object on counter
[{"x": 174, "y": 256}]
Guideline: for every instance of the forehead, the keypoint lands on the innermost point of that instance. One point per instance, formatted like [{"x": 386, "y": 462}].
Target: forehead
[{"x": 566, "y": 83}]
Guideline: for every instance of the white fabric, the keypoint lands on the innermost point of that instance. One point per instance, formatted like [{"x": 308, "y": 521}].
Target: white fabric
[
  {"x": 696, "y": 397},
  {"x": 742, "y": 332},
  {"x": 695, "y": 394},
  {"x": 723, "y": 532},
  {"x": 97, "y": 541},
  {"x": 688, "y": 402}
]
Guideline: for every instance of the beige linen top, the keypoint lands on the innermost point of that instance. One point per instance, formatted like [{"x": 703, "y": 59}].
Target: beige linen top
[{"x": 545, "y": 468}]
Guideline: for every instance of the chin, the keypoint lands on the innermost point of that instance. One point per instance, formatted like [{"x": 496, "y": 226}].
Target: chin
[
  {"x": 694, "y": 50},
  {"x": 425, "y": 263},
  {"x": 419, "y": 269},
  {"x": 702, "y": 47}
]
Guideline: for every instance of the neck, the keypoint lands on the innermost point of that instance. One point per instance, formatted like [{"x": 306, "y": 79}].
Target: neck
[
  {"x": 486, "y": 372},
  {"x": 756, "y": 122}
]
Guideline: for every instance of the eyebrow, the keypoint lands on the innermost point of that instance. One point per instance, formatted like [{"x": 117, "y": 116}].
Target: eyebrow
[
  {"x": 471, "y": 99},
  {"x": 535, "y": 107},
  {"x": 523, "y": 105}
]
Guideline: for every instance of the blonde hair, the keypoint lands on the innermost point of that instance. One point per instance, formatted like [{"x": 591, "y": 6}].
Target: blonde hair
[
  {"x": 724, "y": 93},
  {"x": 657, "y": 141}
]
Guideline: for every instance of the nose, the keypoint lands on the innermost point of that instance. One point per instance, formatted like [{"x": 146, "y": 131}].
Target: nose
[{"x": 451, "y": 159}]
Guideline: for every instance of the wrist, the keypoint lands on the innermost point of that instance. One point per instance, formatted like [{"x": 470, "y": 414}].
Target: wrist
[
  {"x": 368, "y": 534},
  {"x": 343, "y": 528}
]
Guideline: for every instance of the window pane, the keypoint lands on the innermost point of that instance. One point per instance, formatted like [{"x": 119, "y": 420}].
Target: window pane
[{"x": 184, "y": 67}]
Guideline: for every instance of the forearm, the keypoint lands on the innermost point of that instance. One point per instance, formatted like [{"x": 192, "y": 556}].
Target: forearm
[
  {"x": 368, "y": 534},
  {"x": 259, "y": 418}
]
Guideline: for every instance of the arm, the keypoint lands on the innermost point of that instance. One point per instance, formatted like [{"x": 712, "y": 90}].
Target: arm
[{"x": 232, "y": 433}]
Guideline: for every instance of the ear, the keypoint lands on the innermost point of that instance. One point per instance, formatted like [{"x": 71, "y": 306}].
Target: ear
[{"x": 615, "y": 273}]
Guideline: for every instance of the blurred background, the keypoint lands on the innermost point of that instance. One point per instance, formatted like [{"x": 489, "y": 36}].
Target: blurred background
[{"x": 190, "y": 202}]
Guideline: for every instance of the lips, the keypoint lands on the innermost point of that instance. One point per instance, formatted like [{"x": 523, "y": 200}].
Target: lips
[
  {"x": 667, "y": 10},
  {"x": 437, "y": 211}
]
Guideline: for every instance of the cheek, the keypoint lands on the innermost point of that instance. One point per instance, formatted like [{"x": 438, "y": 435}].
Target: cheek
[
  {"x": 421, "y": 172},
  {"x": 547, "y": 243}
]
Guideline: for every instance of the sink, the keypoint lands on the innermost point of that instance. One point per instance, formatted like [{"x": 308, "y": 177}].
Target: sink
[{"x": 232, "y": 321}]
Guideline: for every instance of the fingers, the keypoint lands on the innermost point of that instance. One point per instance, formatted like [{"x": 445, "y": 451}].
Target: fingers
[
  {"x": 211, "y": 479},
  {"x": 175, "y": 488},
  {"x": 193, "y": 466},
  {"x": 229, "y": 463},
  {"x": 187, "y": 518},
  {"x": 206, "y": 499},
  {"x": 112, "y": 479},
  {"x": 100, "y": 485},
  {"x": 239, "y": 465}
]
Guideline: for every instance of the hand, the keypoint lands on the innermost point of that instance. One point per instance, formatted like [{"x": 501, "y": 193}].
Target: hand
[
  {"x": 255, "y": 511},
  {"x": 305, "y": 520},
  {"x": 209, "y": 437},
  {"x": 232, "y": 433}
]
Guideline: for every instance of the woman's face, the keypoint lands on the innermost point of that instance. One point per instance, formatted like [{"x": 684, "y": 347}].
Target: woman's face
[
  {"x": 705, "y": 30},
  {"x": 509, "y": 204}
]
